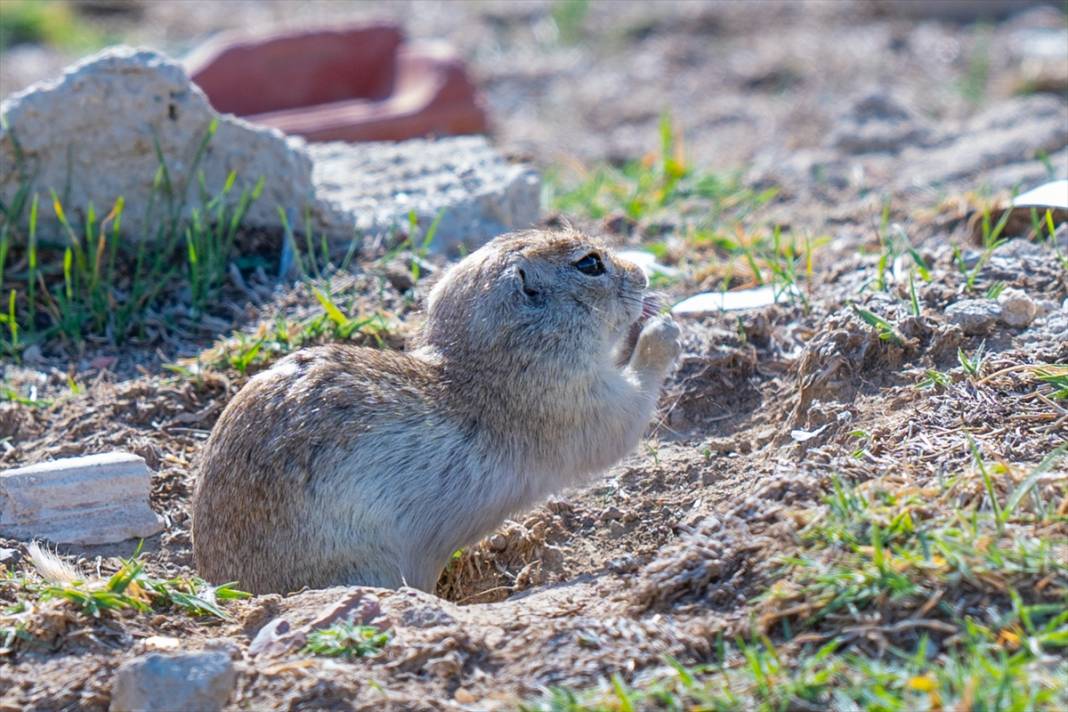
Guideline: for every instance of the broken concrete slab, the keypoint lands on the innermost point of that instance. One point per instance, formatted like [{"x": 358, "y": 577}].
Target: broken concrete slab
[
  {"x": 375, "y": 186},
  {"x": 132, "y": 100},
  {"x": 97, "y": 499}
]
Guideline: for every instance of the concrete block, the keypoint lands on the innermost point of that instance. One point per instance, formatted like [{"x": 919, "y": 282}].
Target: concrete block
[
  {"x": 98, "y": 499},
  {"x": 374, "y": 186}
]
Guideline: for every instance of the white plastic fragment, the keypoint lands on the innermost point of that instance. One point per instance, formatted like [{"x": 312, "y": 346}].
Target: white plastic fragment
[
  {"x": 712, "y": 302},
  {"x": 97, "y": 499},
  {"x": 1048, "y": 195},
  {"x": 803, "y": 436}
]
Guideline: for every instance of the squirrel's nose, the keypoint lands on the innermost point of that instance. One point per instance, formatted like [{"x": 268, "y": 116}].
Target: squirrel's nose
[{"x": 633, "y": 273}]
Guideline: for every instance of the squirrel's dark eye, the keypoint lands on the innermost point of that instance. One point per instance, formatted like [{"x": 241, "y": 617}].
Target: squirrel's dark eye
[{"x": 590, "y": 264}]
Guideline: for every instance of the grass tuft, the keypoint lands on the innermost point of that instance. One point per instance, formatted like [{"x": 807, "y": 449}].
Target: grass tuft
[
  {"x": 346, "y": 640},
  {"x": 92, "y": 283},
  {"x": 642, "y": 188},
  {"x": 131, "y": 587}
]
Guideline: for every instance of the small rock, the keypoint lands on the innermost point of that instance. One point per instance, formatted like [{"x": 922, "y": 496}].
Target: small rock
[
  {"x": 1045, "y": 306},
  {"x": 32, "y": 354},
  {"x": 616, "y": 529},
  {"x": 1017, "y": 309},
  {"x": 161, "y": 643},
  {"x": 10, "y": 557},
  {"x": 464, "y": 697},
  {"x": 280, "y": 637},
  {"x": 445, "y": 666},
  {"x": 612, "y": 514},
  {"x": 98, "y": 499},
  {"x": 399, "y": 276},
  {"x": 974, "y": 316},
  {"x": 420, "y": 612},
  {"x": 498, "y": 543},
  {"x": 174, "y": 683},
  {"x": 403, "y": 271},
  {"x": 623, "y": 564},
  {"x": 558, "y": 506},
  {"x": 275, "y": 637}
]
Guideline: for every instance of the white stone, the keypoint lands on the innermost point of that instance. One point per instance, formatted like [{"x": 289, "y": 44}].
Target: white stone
[
  {"x": 98, "y": 499},
  {"x": 174, "y": 683},
  {"x": 1018, "y": 310},
  {"x": 974, "y": 316},
  {"x": 93, "y": 131}
]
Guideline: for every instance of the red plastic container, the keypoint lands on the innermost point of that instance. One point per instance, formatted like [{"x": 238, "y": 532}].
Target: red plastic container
[{"x": 361, "y": 83}]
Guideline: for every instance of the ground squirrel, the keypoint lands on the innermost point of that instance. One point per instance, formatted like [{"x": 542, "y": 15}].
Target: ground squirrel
[{"x": 351, "y": 465}]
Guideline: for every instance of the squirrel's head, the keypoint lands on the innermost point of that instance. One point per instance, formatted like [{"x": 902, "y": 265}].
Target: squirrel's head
[{"x": 555, "y": 297}]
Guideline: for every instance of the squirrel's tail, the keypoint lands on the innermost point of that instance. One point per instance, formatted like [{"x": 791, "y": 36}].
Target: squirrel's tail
[{"x": 50, "y": 566}]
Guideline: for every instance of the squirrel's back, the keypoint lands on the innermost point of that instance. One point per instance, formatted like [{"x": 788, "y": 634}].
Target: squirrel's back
[{"x": 291, "y": 444}]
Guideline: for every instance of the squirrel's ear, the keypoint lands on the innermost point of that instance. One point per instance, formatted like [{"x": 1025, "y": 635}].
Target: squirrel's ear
[{"x": 525, "y": 286}]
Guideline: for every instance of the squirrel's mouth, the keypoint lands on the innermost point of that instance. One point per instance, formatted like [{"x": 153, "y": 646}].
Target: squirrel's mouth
[{"x": 651, "y": 306}]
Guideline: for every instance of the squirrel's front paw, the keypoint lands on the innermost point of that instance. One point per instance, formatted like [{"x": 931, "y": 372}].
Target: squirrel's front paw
[{"x": 658, "y": 344}]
